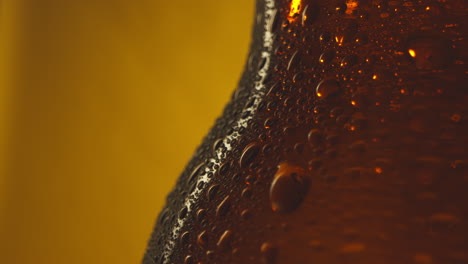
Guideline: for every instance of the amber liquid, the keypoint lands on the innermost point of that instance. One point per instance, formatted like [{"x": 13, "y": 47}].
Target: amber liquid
[{"x": 345, "y": 142}]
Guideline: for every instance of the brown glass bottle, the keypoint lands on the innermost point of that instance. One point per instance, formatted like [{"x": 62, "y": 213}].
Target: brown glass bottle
[{"x": 345, "y": 142}]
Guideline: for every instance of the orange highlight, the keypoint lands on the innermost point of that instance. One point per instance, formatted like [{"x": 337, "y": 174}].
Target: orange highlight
[{"x": 295, "y": 8}]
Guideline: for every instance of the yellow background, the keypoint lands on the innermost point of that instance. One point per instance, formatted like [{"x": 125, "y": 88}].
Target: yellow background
[{"x": 102, "y": 104}]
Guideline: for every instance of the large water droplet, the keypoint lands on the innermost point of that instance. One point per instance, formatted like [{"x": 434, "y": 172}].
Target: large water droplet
[{"x": 288, "y": 188}]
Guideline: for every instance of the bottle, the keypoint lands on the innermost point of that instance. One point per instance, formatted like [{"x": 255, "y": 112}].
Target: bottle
[{"x": 345, "y": 142}]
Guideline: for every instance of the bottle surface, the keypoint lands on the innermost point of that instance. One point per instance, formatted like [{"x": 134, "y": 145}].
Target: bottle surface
[{"x": 345, "y": 142}]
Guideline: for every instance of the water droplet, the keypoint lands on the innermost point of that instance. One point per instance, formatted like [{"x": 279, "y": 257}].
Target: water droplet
[
  {"x": 210, "y": 254},
  {"x": 299, "y": 76},
  {"x": 201, "y": 185},
  {"x": 275, "y": 22},
  {"x": 327, "y": 88},
  {"x": 262, "y": 63},
  {"x": 224, "y": 168},
  {"x": 361, "y": 38},
  {"x": 315, "y": 164},
  {"x": 310, "y": 14},
  {"x": 341, "y": 8},
  {"x": 183, "y": 213},
  {"x": 288, "y": 188},
  {"x": 246, "y": 193},
  {"x": 184, "y": 238},
  {"x": 212, "y": 191},
  {"x": 249, "y": 154},
  {"x": 224, "y": 240},
  {"x": 217, "y": 144},
  {"x": 359, "y": 101},
  {"x": 245, "y": 214},
  {"x": 201, "y": 214},
  {"x": 349, "y": 61},
  {"x": 299, "y": 148},
  {"x": 327, "y": 57},
  {"x": 325, "y": 37},
  {"x": 223, "y": 207},
  {"x": 269, "y": 253},
  {"x": 315, "y": 137},
  {"x": 202, "y": 238},
  {"x": 250, "y": 179},
  {"x": 189, "y": 260},
  {"x": 196, "y": 172}
]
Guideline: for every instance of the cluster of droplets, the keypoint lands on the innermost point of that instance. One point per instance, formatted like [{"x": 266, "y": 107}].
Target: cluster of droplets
[{"x": 346, "y": 132}]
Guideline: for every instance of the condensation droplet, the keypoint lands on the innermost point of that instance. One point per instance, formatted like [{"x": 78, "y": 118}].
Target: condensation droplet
[
  {"x": 223, "y": 207},
  {"x": 327, "y": 88},
  {"x": 224, "y": 240},
  {"x": 315, "y": 137},
  {"x": 325, "y": 37},
  {"x": 327, "y": 57},
  {"x": 184, "y": 238},
  {"x": 224, "y": 168},
  {"x": 288, "y": 188},
  {"x": 246, "y": 193},
  {"x": 189, "y": 260},
  {"x": 341, "y": 8},
  {"x": 269, "y": 253},
  {"x": 249, "y": 154},
  {"x": 245, "y": 214},
  {"x": 212, "y": 191},
  {"x": 202, "y": 238},
  {"x": 310, "y": 14},
  {"x": 349, "y": 61},
  {"x": 196, "y": 172},
  {"x": 210, "y": 254},
  {"x": 292, "y": 61},
  {"x": 201, "y": 215},
  {"x": 183, "y": 213}
]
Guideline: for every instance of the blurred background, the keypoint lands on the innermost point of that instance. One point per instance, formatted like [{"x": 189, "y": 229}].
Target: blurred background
[{"x": 102, "y": 103}]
